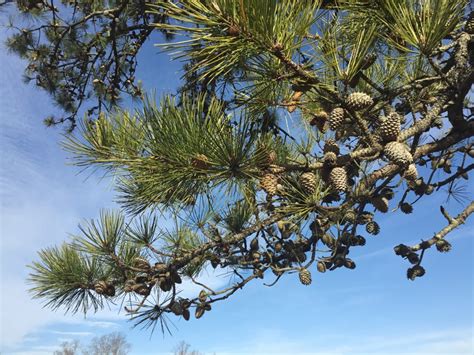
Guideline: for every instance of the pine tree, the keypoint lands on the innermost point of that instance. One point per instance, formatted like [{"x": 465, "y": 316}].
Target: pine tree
[
  {"x": 83, "y": 53},
  {"x": 201, "y": 158}
]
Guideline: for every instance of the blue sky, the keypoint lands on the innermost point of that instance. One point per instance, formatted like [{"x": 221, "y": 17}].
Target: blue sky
[{"x": 373, "y": 309}]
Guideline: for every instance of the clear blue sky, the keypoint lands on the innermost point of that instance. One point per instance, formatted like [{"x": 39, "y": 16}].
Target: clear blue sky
[{"x": 373, "y": 309}]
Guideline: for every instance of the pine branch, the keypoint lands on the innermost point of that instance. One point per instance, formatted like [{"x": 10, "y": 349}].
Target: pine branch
[{"x": 453, "y": 223}]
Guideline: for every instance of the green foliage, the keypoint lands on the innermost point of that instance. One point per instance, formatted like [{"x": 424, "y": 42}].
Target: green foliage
[
  {"x": 83, "y": 53},
  {"x": 65, "y": 277},
  {"x": 419, "y": 24},
  {"x": 295, "y": 120},
  {"x": 224, "y": 35}
]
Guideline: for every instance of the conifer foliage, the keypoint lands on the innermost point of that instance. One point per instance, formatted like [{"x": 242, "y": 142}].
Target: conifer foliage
[
  {"x": 84, "y": 52},
  {"x": 322, "y": 116}
]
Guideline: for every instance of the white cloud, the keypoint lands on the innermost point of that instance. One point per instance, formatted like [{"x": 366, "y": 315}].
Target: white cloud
[
  {"x": 446, "y": 342},
  {"x": 74, "y": 334}
]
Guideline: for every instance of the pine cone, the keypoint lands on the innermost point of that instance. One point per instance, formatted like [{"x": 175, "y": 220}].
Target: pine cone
[
  {"x": 331, "y": 146},
  {"x": 141, "y": 263},
  {"x": 380, "y": 203},
  {"x": 415, "y": 271},
  {"x": 398, "y": 153},
  {"x": 186, "y": 314},
  {"x": 305, "y": 276},
  {"x": 390, "y": 127},
  {"x": 411, "y": 174},
  {"x": 365, "y": 217},
  {"x": 443, "y": 246},
  {"x": 110, "y": 291},
  {"x": 200, "y": 161},
  {"x": 358, "y": 101},
  {"x": 320, "y": 120},
  {"x": 350, "y": 216},
  {"x": 330, "y": 159},
  {"x": 336, "y": 118},
  {"x": 338, "y": 179},
  {"x": 406, "y": 208},
  {"x": 269, "y": 183},
  {"x": 100, "y": 287},
  {"x": 104, "y": 288},
  {"x": 308, "y": 181},
  {"x": 372, "y": 227},
  {"x": 176, "y": 308},
  {"x": 321, "y": 266},
  {"x": 350, "y": 264},
  {"x": 387, "y": 192},
  {"x": 199, "y": 312},
  {"x": 141, "y": 289}
]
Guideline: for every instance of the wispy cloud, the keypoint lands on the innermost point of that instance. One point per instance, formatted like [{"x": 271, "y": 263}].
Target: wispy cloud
[
  {"x": 74, "y": 334},
  {"x": 451, "y": 341}
]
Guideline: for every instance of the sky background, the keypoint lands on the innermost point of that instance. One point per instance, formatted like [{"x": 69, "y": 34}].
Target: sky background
[{"x": 373, "y": 309}]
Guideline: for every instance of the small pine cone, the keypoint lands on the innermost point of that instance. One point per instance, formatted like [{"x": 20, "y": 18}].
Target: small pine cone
[
  {"x": 166, "y": 284},
  {"x": 380, "y": 203},
  {"x": 321, "y": 266},
  {"x": 402, "y": 250},
  {"x": 350, "y": 264},
  {"x": 411, "y": 173},
  {"x": 358, "y": 101},
  {"x": 331, "y": 146},
  {"x": 406, "y": 208},
  {"x": 141, "y": 289},
  {"x": 413, "y": 258},
  {"x": 186, "y": 314},
  {"x": 320, "y": 120},
  {"x": 110, "y": 291},
  {"x": 415, "y": 271},
  {"x": 398, "y": 153},
  {"x": 200, "y": 161},
  {"x": 330, "y": 159},
  {"x": 141, "y": 263},
  {"x": 269, "y": 183},
  {"x": 100, "y": 287},
  {"x": 308, "y": 181},
  {"x": 361, "y": 240},
  {"x": 338, "y": 179},
  {"x": 199, "y": 312},
  {"x": 350, "y": 216},
  {"x": 336, "y": 118},
  {"x": 202, "y": 296},
  {"x": 305, "y": 276},
  {"x": 390, "y": 127},
  {"x": 160, "y": 268},
  {"x": 365, "y": 217},
  {"x": 387, "y": 192},
  {"x": 176, "y": 308},
  {"x": 372, "y": 227},
  {"x": 175, "y": 278},
  {"x": 443, "y": 246},
  {"x": 104, "y": 288}
]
